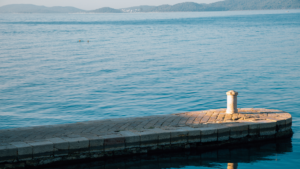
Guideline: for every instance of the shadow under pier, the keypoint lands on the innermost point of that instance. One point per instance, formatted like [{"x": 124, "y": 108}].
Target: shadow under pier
[{"x": 229, "y": 156}]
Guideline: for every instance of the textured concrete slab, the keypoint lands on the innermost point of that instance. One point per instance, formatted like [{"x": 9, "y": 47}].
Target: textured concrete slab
[
  {"x": 238, "y": 130},
  {"x": 209, "y": 134},
  {"x": 223, "y": 133},
  {"x": 267, "y": 128},
  {"x": 132, "y": 140},
  {"x": 149, "y": 138},
  {"x": 179, "y": 135},
  {"x": 113, "y": 142},
  {"x": 8, "y": 153},
  {"x": 39, "y": 145},
  {"x": 41, "y": 148},
  {"x": 164, "y": 136},
  {"x": 194, "y": 135},
  {"x": 60, "y": 146},
  {"x": 77, "y": 144},
  {"x": 24, "y": 150},
  {"x": 253, "y": 129},
  {"x": 96, "y": 143}
]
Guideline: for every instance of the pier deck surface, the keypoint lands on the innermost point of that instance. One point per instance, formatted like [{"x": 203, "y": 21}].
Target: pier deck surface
[{"x": 195, "y": 119}]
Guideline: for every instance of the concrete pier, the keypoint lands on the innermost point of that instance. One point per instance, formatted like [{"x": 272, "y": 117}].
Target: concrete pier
[{"x": 41, "y": 145}]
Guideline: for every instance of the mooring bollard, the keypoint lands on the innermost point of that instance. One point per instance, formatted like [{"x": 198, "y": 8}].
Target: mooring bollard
[{"x": 232, "y": 102}]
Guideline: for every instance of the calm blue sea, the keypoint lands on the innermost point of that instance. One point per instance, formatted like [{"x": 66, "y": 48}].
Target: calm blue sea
[{"x": 148, "y": 64}]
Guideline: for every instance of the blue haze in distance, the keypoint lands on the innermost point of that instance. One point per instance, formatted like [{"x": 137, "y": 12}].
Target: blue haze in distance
[{"x": 95, "y": 4}]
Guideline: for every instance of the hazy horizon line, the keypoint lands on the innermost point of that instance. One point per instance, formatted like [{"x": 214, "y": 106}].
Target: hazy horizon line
[{"x": 107, "y": 6}]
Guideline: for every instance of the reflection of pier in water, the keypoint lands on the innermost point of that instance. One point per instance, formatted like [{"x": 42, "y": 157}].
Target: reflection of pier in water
[
  {"x": 232, "y": 165},
  {"x": 249, "y": 153}
]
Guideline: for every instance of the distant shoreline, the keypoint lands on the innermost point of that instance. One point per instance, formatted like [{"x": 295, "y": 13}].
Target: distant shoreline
[
  {"x": 288, "y": 10},
  {"x": 226, "y": 5}
]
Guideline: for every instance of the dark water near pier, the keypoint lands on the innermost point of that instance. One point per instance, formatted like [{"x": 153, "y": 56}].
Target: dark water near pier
[
  {"x": 149, "y": 64},
  {"x": 246, "y": 156}
]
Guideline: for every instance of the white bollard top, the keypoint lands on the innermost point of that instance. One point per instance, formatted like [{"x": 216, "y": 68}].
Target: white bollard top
[{"x": 232, "y": 93}]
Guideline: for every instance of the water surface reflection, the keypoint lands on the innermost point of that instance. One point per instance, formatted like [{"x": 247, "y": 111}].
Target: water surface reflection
[{"x": 227, "y": 156}]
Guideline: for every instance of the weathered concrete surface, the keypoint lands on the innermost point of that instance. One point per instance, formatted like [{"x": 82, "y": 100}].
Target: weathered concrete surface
[{"x": 34, "y": 146}]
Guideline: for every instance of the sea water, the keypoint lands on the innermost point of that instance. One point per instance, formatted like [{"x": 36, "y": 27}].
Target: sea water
[{"x": 140, "y": 64}]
